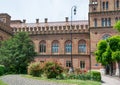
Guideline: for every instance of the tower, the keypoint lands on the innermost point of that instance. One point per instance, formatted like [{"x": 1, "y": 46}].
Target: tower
[{"x": 103, "y": 14}]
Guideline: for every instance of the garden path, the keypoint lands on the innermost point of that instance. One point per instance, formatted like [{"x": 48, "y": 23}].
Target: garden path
[
  {"x": 18, "y": 80},
  {"x": 107, "y": 80}
]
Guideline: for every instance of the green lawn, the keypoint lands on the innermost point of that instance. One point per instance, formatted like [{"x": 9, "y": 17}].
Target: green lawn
[
  {"x": 2, "y": 83},
  {"x": 67, "y": 81}
]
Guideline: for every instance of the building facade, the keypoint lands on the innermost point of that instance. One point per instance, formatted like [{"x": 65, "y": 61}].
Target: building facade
[
  {"x": 103, "y": 14},
  {"x": 62, "y": 40},
  {"x": 57, "y": 41}
]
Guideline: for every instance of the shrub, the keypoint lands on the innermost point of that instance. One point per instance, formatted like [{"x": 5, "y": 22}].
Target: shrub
[
  {"x": 52, "y": 69},
  {"x": 35, "y": 69},
  {"x": 2, "y": 69},
  {"x": 95, "y": 75},
  {"x": 61, "y": 76}
]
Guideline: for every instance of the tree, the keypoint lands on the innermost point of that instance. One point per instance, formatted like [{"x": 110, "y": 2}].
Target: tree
[
  {"x": 101, "y": 48},
  {"x": 17, "y": 52},
  {"x": 114, "y": 43},
  {"x": 104, "y": 54}
]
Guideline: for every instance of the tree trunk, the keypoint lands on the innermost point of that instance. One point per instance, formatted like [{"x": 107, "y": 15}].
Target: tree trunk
[
  {"x": 119, "y": 68},
  {"x": 110, "y": 67}
]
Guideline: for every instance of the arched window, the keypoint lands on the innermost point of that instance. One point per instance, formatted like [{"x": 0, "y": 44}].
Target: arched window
[
  {"x": 55, "y": 47},
  {"x": 68, "y": 47},
  {"x": 106, "y": 36},
  {"x": 82, "y": 46},
  {"x": 42, "y": 47}
]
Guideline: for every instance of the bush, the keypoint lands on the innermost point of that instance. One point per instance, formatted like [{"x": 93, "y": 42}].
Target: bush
[
  {"x": 61, "y": 76},
  {"x": 2, "y": 69},
  {"x": 35, "y": 69},
  {"x": 95, "y": 75},
  {"x": 52, "y": 69}
]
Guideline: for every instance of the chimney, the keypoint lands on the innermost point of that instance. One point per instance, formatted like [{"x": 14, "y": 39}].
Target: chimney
[
  {"x": 24, "y": 21},
  {"x": 46, "y": 20},
  {"x": 66, "y": 19},
  {"x": 37, "y": 20}
]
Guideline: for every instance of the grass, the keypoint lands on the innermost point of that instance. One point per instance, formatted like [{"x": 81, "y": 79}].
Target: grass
[
  {"x": 66, "y": 81},
  {"x": 2, "y": 83}
]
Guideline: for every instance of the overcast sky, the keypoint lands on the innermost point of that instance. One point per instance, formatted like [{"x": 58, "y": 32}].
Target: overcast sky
[{"x": 54, "y": 10}]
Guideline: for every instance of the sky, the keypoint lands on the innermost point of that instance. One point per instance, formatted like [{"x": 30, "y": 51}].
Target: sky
[{"x": 54, "y": 10}]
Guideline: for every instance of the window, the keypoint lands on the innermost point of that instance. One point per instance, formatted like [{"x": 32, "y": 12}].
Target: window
[
  {"x": 117, "y": 3},
  {"x": 68, "y": 63},
  {"x": 55, "y": 47},
  {"x": 68, "y": 47},
  {"x": 109, "y": 22},
  {"x": 82, "y": 46},
  {"x": 103, "y": 5},
  {"x": 42, "y": 47},
  {"x": 103, "y": 22},
  {"x": 106, "y": 22},
  {"x": 106, "y": 5},
  {"x": 82, "y": 64},
  {"x": 106, "y": 36},
  {"x": 95, "y": 22},
  {"x": 116, "y": 19}
]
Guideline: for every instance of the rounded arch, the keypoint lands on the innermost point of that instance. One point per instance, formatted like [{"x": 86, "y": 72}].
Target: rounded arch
[
  {"x": 55, "y": 41},
  {"x": 42, "y": 41},
  {"x": 81, "y": 41},
  {"x": 105, "y": 36}
]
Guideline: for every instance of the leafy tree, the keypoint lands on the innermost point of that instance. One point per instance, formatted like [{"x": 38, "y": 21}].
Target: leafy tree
[
  {"x": 104, "y": 54},
  {"x": 17, "y": 52},
  {"x": 114, "y": 43},
  {"x": 101, "y": 48}
]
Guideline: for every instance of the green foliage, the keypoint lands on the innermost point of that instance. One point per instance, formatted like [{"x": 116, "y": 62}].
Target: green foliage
[
  {"x": 61, "y": 76},
  {"x": 2, "y": 69},
  {"x": 52, "y": 69},
  {"x": 93, "y": 75},
  {"x": 114, "y": 43},
  {"x": 35, "y": 69},
  {"x": 117, "y": 26},
  {"x": 96, "y": 76},
  {"x": 103, "y": 53},
  {"x": 17, "y": 52},
  {"x": 116, "y": 56}
]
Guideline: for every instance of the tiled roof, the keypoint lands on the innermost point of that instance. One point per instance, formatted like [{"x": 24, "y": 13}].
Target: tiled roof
[{"x": 42, "y": 24}]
